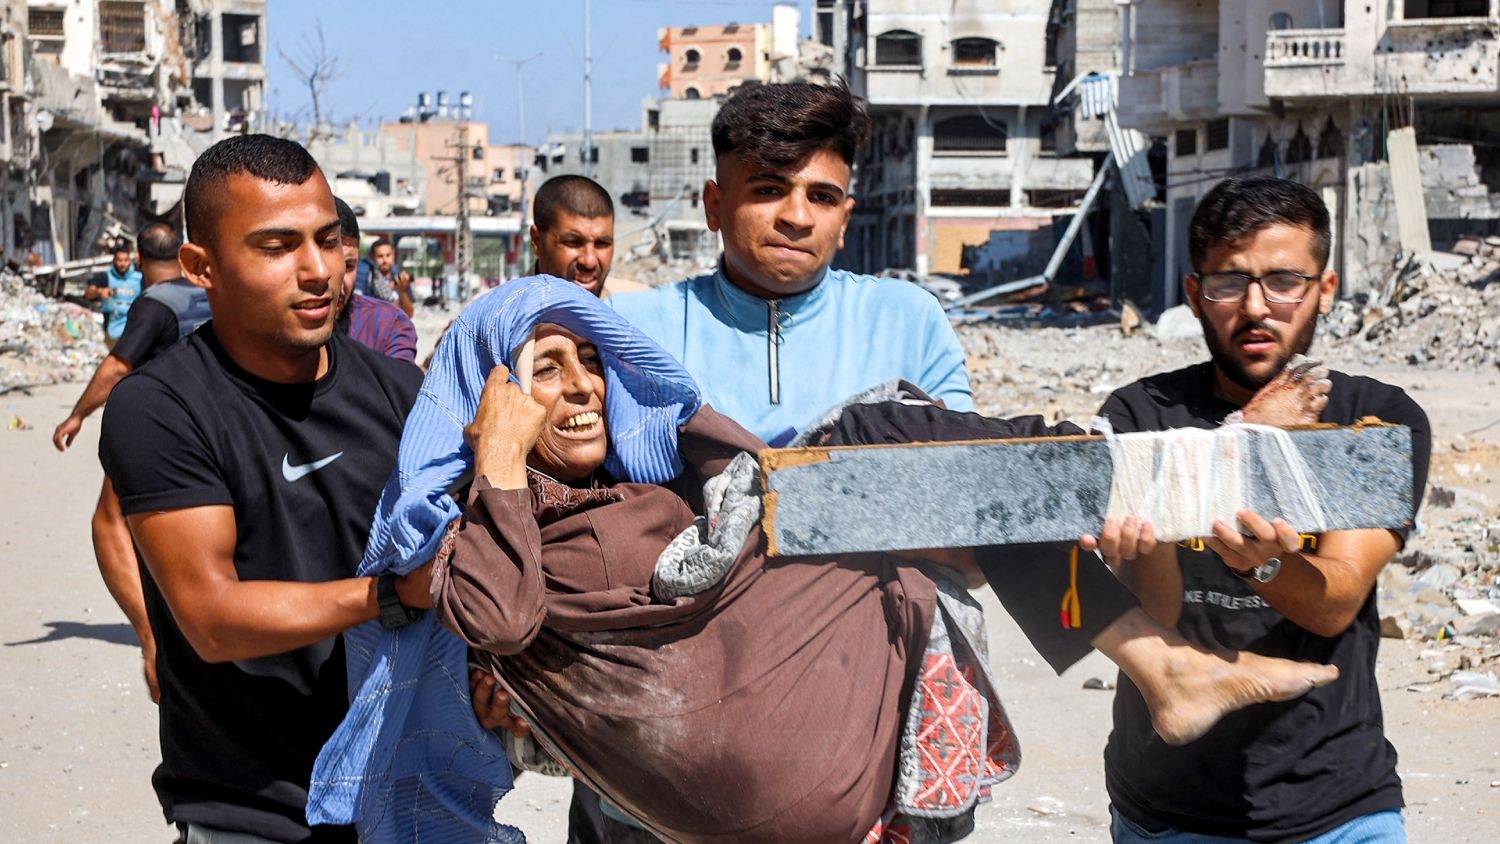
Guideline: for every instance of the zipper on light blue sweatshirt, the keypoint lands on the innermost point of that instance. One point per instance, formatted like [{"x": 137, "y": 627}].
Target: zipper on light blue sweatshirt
[{"x": 773, "y": 340}]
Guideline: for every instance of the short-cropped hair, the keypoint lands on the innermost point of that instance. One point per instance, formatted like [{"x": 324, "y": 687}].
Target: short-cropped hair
[
  {"x": 1238, "y": 208},
  {"x": 159, "y": 242},
  {"x": 778, "y": 125},
  {"x": 348, "y": 222},
  {"x": 265, "y": 157},
  {"x": 576, "y": 195}
]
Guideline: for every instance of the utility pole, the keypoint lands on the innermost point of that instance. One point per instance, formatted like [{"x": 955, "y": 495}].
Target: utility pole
[
  {"x": 523, "y": 249},
  {"x": 588, "y": 89},
  {"x": 463, "y": 235}
]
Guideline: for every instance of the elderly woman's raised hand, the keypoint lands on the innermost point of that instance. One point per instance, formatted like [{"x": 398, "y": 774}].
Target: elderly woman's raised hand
[{"x": 504, "y": 429}]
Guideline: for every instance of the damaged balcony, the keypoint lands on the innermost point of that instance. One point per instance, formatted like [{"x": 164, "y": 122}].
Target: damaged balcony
[
  {"x": 1162, "y": 98},
  {"x": 1441, "y": 56},
  {"x": 125, "y": 69}
]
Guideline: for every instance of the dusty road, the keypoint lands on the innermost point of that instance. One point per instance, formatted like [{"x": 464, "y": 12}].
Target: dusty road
[{"x": 77, "y": 731}]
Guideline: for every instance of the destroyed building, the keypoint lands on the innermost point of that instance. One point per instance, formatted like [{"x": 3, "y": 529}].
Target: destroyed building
[
  {"x": 107, "y": 103},
  {"x": 1324, "y": 92},
  {"x": 962, "y": 173}
]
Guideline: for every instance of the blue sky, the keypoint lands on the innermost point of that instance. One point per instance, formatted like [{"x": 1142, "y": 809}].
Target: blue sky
[{"x": 394, "y": 48}]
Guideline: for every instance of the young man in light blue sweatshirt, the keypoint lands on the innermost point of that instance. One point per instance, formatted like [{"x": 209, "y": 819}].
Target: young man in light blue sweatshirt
[{"x": 775, "y": 337}]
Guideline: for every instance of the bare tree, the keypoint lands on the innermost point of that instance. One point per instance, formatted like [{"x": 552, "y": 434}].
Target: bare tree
[{"x": 314, "y": 65}]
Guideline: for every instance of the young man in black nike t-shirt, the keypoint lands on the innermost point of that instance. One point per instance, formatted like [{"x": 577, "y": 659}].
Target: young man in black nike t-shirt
[
  {"x": 248, "y": 459},
  {"x": 1319, "y": 765}
]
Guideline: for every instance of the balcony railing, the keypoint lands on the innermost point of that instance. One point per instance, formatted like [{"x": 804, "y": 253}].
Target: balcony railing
[{"x": 1304, "y": 47}]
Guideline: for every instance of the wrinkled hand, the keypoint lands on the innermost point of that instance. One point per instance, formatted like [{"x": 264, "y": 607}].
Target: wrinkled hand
[
  {"x": 1296, "y": 396},
  {"x": 1265, "y": 540},
  {"x": 505, "y": 427},
  {"x": 1121, "y": 540},
  {"x": 66, "y": 432},
  {"x": 415, "y": 587},
  {"x": 492, "y": 704}
]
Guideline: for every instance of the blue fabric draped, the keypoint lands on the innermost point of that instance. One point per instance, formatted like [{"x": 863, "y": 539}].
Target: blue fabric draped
[{"x": 410, "y": 762}]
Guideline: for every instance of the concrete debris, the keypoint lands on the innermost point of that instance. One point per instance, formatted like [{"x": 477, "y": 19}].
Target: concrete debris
[
  {"x": 42, "y": 340},
  {"x": 1440, "y": 310},
  {"x": 1472, "y": 684},
  {"x": 1178, "y": 324}
]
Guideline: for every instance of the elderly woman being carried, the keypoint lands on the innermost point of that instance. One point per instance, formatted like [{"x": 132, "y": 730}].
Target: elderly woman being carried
[{"x": 709, "y": 691}]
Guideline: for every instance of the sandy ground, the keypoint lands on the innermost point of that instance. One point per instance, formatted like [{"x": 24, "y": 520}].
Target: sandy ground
[{"x": 77, "y": 730}]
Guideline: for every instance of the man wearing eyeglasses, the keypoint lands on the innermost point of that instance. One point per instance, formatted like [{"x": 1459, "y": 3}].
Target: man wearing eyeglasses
[{"x": 1318, "y": 768}]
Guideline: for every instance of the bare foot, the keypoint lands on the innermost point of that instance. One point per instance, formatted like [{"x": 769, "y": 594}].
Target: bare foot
[
  {"x": 1196, "y": 688},
  {"x": 1187, "y": 688},
  {"x": 1296, "y": 396}
]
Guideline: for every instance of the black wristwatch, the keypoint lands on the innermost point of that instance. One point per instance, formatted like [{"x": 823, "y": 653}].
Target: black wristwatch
[
  {"x": 1261, "y": 573},
  {"x": 394, "y": 615}
]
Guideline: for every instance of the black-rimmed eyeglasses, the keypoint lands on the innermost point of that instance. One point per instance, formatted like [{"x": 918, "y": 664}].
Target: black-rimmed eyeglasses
[{"x": 1279, "y": 288}]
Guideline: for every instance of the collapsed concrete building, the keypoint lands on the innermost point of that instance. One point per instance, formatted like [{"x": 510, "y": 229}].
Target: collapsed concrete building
[
  {"x": 963, "y": 174},
  {"x": 107, "y": 103},
  {"x": 1324, "y": 92}
]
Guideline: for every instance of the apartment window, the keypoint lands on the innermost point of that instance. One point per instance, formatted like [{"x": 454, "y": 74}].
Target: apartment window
[
  {"x": 974, "y": 52},
  {"x": 962, "y": 197},
  {"x": 242, "y": 38},
  {"x": 1056, "y": 198},
  {"x": 693, "y": 155},
  {"x": 640, "y": 155},
  {"x": 1300, "y": 148},
  {"x": 1330, "y": 141},
  {"x": 45, "y": 23},
  {"x": 898, "y": 47},
  {"x": 692, "y": 57},
  {"x": 1217, "y": 134},
  {"x": 122, "y": 27},
  {"x": 1186, "y": 142},
  {"x": 691, "y": 94},
  {"x": 1446, "y": 9},
  {"x": 1281, "y": 20},
  {"x": 733, "y": 57},
  {"x": 498, "y": 175},
  {"x": 1269, "y": 153},
  {"x": 1047, "y": 137},
  {"x": 969, "y": 133}
]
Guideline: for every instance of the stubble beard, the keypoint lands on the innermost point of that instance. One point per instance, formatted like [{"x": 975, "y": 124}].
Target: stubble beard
[{"x": 1231, "y": 367}]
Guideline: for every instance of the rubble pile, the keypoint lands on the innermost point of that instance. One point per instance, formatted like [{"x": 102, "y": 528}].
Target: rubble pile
[
  {"x": 42, "y": 340},
  {"x": 1440, "y": 310}
]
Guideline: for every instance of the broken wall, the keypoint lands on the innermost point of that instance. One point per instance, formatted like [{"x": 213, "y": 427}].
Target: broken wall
[{"x": 1372, "y": 240}]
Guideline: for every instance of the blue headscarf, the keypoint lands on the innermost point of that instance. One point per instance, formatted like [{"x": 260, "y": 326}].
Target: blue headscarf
[{"x": 410, "y": 762}]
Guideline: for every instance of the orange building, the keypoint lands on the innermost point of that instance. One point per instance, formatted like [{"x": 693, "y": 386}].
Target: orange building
[{"x": 707, "y": 61}]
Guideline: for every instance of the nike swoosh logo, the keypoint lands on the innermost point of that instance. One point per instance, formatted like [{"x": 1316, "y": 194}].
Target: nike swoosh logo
[{"x": 297, "y": 473}]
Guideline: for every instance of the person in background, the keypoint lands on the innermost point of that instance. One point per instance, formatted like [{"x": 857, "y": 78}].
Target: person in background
[
  {"x": 116, "y": 289},
  {"x": 372, "y": 322}
]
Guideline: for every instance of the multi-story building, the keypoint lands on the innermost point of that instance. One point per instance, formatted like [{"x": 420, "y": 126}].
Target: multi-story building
[
  {"x": 225, "y": 42},
  {"x": 119, "y": 98},
  {"x": 962, "y": 173},
  {"x": 706, "y": 61},
  {"x": 712, "y": 60},
  {"x": 1310, "y": 91},
  {"x": 655, "y": 175},
  {"x": 433, "y": 137}
]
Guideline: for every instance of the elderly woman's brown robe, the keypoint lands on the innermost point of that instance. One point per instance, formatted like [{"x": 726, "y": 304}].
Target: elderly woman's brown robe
[{"x": 550, "y": 586}]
